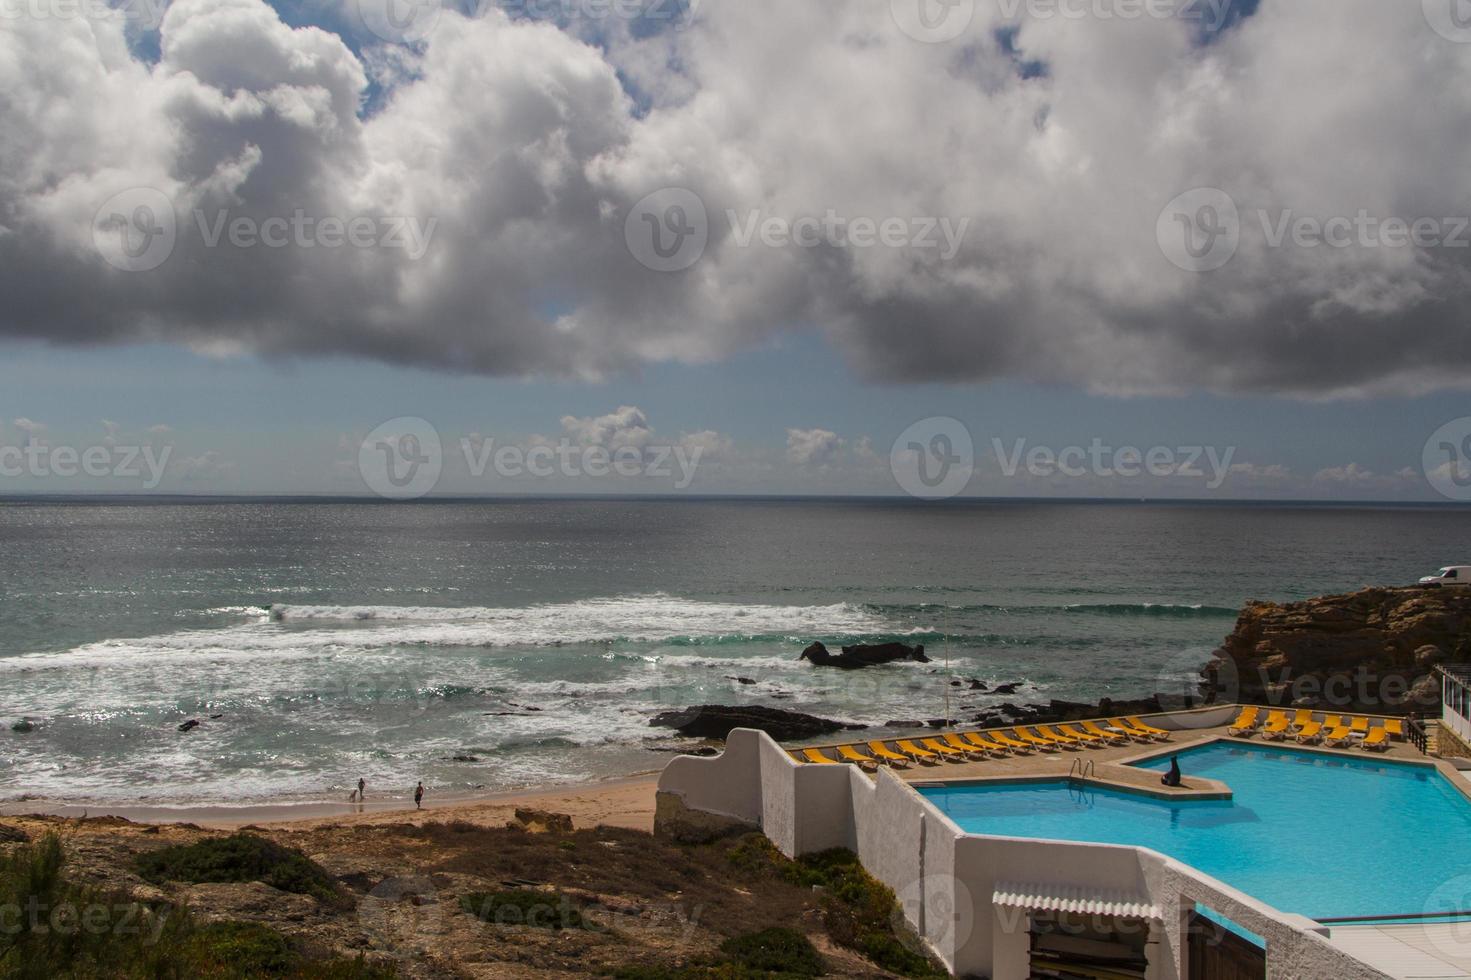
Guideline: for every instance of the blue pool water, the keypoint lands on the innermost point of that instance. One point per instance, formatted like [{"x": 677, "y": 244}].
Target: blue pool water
[{"x": 1324, "y": 836}]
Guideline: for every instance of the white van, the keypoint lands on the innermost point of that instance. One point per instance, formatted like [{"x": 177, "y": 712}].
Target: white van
[{"x": 1450, "y": 575}]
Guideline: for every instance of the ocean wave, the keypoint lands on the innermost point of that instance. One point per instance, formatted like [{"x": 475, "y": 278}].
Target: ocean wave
[
  {"x": 1024, "y": 609},
  {"x": 305, "y": 632},
  {"x": 1151, "y": 609}
]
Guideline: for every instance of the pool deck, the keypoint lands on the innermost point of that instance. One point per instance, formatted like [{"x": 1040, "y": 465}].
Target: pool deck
[
  {"x": 1112, "y": 765},
  {"x": 1416, "y": 951}
]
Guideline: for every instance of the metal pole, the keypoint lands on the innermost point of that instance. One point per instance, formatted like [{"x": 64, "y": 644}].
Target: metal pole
[{"x": 947, "y": 683}]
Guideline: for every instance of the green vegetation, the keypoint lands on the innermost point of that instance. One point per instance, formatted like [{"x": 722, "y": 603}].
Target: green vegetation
[
  {"x": 771, "y": 954},
  {"x": 240, "y": 858},
  {"x": 245, "y": 950},
  {"x": 53, "y": 927},
  {"x": 776, "y": 950},
  {"x": 250, "y": 949},
  {"x": 50, "y": 926},
  {"x": 526, "y": 907},
  {"x": 715, "y": 971},
  {"x": 858, "y": 911}
]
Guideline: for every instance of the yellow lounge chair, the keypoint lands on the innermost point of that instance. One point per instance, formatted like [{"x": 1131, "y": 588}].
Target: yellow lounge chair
[
  {"x": 1071, "y": 744},
  {"x": 1331, "y": 722},
  {"x": 1052, "y": 740},
  {"x": 969, "y": 748},
  {"x": 1093, "y": 728},
  {"x": 885, "y": 754},
  {"x": 1245, "y": 722},
  {"x": 847, "y": 753},
  {"x": 1134, "y": 733},
  {"x": 1395, "y": 728},
  {"x": 1310, "y": 733},
  {"x": 1303, "y": 716},
  {"x": 1339, "y": 737},
  {"x": 917, "y": 753},
  {"x": 1360, "y": 725},
  {"x": 1144, "y": 726},
  {"x": 1141, "y": 733},
  {"x": 1084, "y": 737},
  {"x": 1276, "y": 727},
  {"x": 995, "y": 748},
  {"x": 944, "y": 751},
  {"x": 1006, "y": 741},
  {"x": 815, "y": 755},
  {"x": 1037, "y": 743},
  {"x": 1377, "y": 741}
]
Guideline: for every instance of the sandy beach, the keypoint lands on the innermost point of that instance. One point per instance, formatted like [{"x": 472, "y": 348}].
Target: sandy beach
[{"x": 626, "y": 802}]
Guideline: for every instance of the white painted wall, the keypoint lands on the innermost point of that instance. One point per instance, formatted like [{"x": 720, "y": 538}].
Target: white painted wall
[
  {"x": 945, "y": 878},
  {"x": 1449, "y": 718}
]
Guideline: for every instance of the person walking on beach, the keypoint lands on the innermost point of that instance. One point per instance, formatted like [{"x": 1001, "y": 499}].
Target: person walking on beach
[
  {"x": 361, "y": 787},
  {"x": 419, "y": 797}
]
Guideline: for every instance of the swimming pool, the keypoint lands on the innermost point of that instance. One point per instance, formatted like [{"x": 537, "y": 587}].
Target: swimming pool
[{"x": 1322, "y": 835}]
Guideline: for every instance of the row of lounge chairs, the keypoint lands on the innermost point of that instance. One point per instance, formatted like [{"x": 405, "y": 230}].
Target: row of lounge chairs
[
  {"x": 1334, "y": 731},
  {"x": 975, "y": 746}
]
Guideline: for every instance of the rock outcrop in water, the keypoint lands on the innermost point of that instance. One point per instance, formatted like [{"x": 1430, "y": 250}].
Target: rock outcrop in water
[
  {"x": 1064, "y": 711},
  {"x": 1371, "y": 651},
  {"x": 717, "y": 721},
  {"x": 856, "y": 657}
]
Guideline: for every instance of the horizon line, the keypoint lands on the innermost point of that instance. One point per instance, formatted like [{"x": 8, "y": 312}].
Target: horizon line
[{"x": 327, "y": 497}]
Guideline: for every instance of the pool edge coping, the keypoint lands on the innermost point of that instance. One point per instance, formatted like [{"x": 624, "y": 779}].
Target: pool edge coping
[{"x": 1215, "y": 789}]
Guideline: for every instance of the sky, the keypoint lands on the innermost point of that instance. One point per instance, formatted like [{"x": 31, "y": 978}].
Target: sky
[{"x": 1058, "y": 248}]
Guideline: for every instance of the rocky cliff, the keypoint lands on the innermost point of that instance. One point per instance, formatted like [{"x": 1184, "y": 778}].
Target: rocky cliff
[{"x": 1371, "y": 651}]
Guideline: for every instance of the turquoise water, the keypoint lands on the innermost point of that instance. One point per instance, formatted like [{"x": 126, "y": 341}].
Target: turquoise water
[{"x": 1324, "y": 836}]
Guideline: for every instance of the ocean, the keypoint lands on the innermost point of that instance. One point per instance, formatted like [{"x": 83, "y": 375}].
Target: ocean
[{"x": 492, "y": 645}]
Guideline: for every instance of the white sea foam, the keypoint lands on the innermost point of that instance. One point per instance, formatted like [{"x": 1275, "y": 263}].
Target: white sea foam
[
  {"x": 647, "y": 617},
  {"x": 304, "y": 632}
]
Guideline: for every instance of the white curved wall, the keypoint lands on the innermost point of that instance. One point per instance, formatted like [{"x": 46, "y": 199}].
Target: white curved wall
[{"x": 945, "y": 878}]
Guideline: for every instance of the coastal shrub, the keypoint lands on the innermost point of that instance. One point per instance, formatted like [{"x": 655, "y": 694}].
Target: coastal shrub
[
  {"x": 526, "y": 907},
  {"x": 71, "y": 929},
  {"x": 240, "y": 858},
  {"x": 859, "y": 912},
  {"x": 89, "y": 934},
  {"x": 755, "y": 854},
  {"x": 719, "y": 970},
  {"x": 246, "y": 949},
  {"x": 775, "y": 950}
]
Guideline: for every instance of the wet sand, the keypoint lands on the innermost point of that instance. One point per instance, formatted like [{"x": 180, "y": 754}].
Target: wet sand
[{"x": 624, "y": 802}]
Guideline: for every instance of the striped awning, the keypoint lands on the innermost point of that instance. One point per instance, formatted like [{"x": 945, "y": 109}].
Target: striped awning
[{"x": 1063, "y": 898}]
